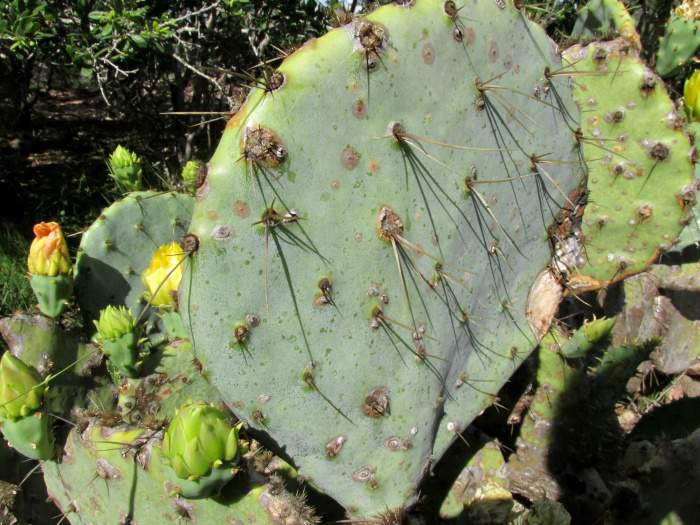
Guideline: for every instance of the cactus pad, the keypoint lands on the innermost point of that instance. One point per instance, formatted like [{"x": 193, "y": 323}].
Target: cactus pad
[
  {"x": 119, "y": 246},
  {"x": 369, "y": 231},
  {"x": 640, "y": 173},
  {"x": 680, "y": 42}
]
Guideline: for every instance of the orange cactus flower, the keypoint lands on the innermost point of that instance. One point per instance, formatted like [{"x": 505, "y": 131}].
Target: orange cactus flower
[{"x": 48, "y": 254}]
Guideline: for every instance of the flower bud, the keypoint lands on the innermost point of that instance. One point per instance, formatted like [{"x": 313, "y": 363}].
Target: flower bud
[
  {"x": 115, "y": 323},
  {"x": 21, "y": 393},
  {"x": 126, "y": 168},
  {"x": 166, "y": 258},
  {"x": 193, "y": 174},
  {"x": 691, "y": 97},
  {"x": 48, "y": 254},
  {"x": 199, "y": 439}
]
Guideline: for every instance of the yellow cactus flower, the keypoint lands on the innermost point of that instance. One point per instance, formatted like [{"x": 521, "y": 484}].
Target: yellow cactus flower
[
  {"x": 166, "y": 259},
  {"x": 691, "y": 98},
  {"x": 48, "y": 254}
]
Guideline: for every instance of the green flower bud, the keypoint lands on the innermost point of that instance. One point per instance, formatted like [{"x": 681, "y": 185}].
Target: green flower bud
[
  {"x": 115, "y": 323},
  {"x": 199, "y": 439},
  {"x": 193, "y": 174},
  {"x": 20, "y": 390},
  {"x": 122, "y": 157},
  {"x": 119, "y": 337},
  {"x": 125, "y": 167},
  {"x": 691, "y": 97}
]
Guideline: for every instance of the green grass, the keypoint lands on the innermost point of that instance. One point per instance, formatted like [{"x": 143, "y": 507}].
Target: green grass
[{"x": 15, "y": 291}]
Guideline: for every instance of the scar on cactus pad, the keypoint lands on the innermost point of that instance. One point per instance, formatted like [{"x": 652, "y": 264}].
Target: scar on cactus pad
[{"x": 465, "y": 236}]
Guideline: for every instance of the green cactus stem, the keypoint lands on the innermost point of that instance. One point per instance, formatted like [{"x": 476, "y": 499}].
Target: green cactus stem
[
  {"x": 52, "y": 293},
  {"x": 124, "y": 353},
  {"x": 117, "y": 473},
  {"x": 30, "y": 435},
  {"x": 119, "y": 246},
  {"x": 589, "y": 335},
  {"x": 639, "y": 162},
  {"x": 603, "y": 17},
  {"x": 42, "y": 343},
  {"x": 175, "y": 328},
  {"x": 480, "y": 494}
]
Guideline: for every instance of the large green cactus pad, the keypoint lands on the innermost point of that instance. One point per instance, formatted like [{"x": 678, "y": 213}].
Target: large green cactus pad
[
  {"x": 293, "y": 217},
  {"x": 640, "y": 170},
  {"x": 119, "y": 246}
]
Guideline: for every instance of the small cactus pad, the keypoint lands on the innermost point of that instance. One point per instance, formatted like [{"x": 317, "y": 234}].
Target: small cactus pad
[
  {"x": 680, "y": 42},
  {"x": 369, "y": 232},
  {"x": 640, "y": 172},
  {"x": 119, "y": 246}
]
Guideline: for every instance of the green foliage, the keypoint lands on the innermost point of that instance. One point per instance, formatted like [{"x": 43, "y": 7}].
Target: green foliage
[
  {"x": 148, "y": 57},
  {"x": 15, "y": 292}
]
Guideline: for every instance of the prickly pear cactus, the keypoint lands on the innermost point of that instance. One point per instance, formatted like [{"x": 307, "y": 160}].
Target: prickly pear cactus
[
  {"x": 369, "y": 233},
  {"x": 119, "y": 246},
  {"x": 639, "y": 162},
  {"x": 681, "y": 39}
]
